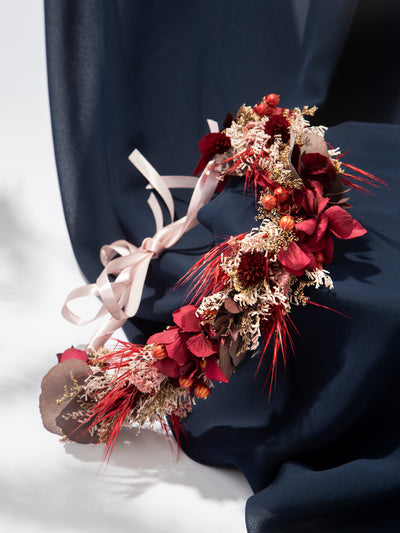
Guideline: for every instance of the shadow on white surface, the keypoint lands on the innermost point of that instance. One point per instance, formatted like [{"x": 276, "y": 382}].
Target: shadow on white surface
[{"x": 46, "y": 486}]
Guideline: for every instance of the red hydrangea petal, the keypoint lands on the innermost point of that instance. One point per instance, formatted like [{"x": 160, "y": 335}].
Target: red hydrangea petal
[
  {"x": 214, "y": 372},
  {"x": 342, "y": 224},
  {"x": 168, "y": 367},
  {"x": 185, "y": 317},
  {"x": 72, "y": 353},
  {"x": 358, "y": 230},
  {"x": 321, "y": 228},
  {"x": 200, "y": 346},
  {"x": 165, "y": 337},
  {"x": 308, "y": 225},
  {"x": 178, "y": 351},
  {"x": 293, "y": 257},
  {"x": 328, "y": 250}
]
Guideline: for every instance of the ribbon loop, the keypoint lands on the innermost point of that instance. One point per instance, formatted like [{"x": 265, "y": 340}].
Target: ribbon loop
[{"x": 128, "y": 264}]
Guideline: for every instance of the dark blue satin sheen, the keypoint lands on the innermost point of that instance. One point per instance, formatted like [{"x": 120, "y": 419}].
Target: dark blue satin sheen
[{"x": 323, "y": 454}]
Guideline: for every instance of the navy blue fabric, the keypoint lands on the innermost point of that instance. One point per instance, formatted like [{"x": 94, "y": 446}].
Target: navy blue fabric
[{"x": 323, "y": 453}]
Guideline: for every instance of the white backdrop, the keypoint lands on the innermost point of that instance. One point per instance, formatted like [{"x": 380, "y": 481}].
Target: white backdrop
[{"x": 46, "y": 485}]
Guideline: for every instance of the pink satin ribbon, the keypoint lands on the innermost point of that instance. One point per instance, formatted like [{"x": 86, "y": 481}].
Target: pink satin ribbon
[{"x": 128, "y": 263}]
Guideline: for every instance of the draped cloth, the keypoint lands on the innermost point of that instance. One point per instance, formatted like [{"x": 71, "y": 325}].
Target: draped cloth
[{"x": 323, "y": 454}]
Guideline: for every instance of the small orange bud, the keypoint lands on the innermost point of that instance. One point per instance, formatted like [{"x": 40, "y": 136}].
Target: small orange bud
[
  {"x": 319, "y": 257},
  {"x": 281, "y": 194},
  {"x": 185, "y": 383},
  {"x": 159, "y": 352},
  {"x": 202, "y": 391},
  {"x": 203, "y": 364},
  {"x": 268, "y": 202},
  {"x": 287, "y": 222}
]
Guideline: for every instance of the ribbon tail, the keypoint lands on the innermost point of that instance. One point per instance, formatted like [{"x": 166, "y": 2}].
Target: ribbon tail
[{"x": 103, "y": 334}]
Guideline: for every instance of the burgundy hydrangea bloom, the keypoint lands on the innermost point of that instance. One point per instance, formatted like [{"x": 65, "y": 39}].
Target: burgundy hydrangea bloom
[
  {"x": 252, "y": 268},
  {"x": 187, "y": 346},
  {"x": 210, "y": 145},
  {"x": 315, "y": 233}
]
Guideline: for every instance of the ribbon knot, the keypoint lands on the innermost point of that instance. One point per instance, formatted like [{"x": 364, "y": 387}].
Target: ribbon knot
[
  {"x": 128, "y": 264},
  {"x": 153, "y": 246}
]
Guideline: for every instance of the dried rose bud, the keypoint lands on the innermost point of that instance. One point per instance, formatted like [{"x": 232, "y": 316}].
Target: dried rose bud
[
  {"x": 185, "y": 383},
  {"x": 269, "y": 202},
  {"x": 281, "y": 194},
  {"x": 202, "y": 391},
  {"x": 287, "y": 222},
  {"x": 159, "y": 352}
]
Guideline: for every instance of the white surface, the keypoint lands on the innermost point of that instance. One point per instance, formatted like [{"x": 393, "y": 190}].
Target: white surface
[{"x": 45, "y": 485}]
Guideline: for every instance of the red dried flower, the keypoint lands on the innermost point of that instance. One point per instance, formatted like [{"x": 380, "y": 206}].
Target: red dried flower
[
  {"x": 316, "y": 232},
  {"x": 317, "y": 167},
  {"x": 210, "y": 145},
  {"x": 72, "y": 353},
  {"x": 277, "y": 125},
  {"x": 186, "y": 345},
  {"x": 252, "y": 268}
]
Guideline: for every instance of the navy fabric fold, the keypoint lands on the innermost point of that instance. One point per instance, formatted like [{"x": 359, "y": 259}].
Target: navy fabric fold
[{"x": 322, "y": 454}]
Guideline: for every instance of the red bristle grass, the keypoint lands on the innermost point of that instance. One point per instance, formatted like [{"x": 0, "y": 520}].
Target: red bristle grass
[
  {"x": 205, "y": 276},
  {"x": 115, "y": 406},
  {"x": 177, "y": 430},
  {"x": 279, "y": 333},
  {"x": 366, "y": 177},
  {"x": 121, "y": 355}
]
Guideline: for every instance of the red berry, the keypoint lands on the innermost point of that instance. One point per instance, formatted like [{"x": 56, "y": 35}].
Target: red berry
[
  {"x": 281, "y": 194},
  {"x": 159, "y": 352},
  {"x": 269, "y": 202},
  {"x": 185, "y": 383},
  {"x": 202, "y": 391},
  {"x": 287, "y": 222}
]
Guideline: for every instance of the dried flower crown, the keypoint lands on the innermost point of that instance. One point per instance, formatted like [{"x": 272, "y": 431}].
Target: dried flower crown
[{"x": 243, "y": 289}]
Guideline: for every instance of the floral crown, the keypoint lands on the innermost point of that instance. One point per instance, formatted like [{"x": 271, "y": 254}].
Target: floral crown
[{"x": 243, "y": 289}]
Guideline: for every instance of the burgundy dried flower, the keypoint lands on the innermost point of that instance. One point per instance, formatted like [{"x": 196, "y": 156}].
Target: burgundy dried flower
[
  {"x": 210, "y": 145},
  {"x": 252, "y": 268},
  {"x": 278, "y": 125}
]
